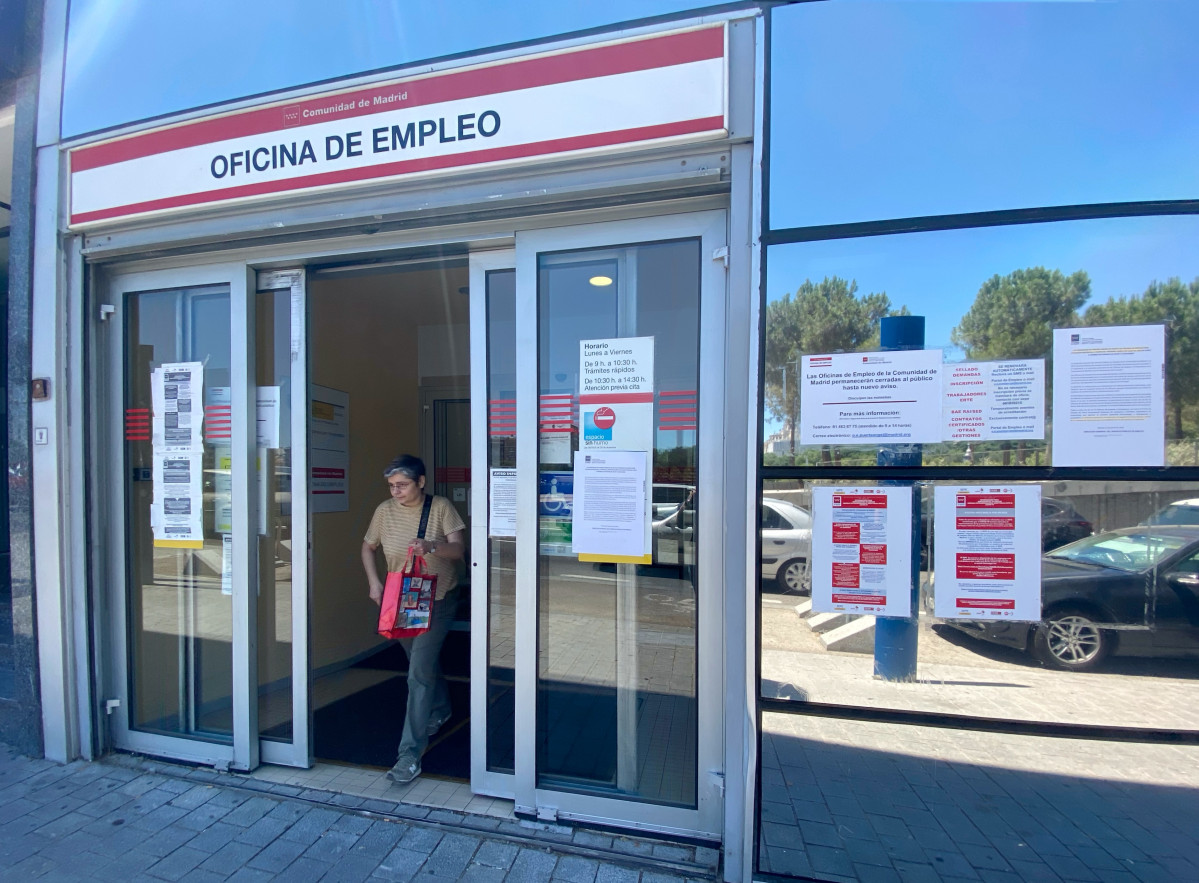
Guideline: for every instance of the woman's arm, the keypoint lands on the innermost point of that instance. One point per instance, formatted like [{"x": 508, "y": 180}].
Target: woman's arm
[
  {"x": 372, "y": 572},
  {"x": 451, "y": 548}
]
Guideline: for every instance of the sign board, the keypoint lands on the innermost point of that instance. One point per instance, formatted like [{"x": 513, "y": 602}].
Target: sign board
[
  {"x": 994, "y": 400},
  {"x": 862, "y": 550},
  {"x": 1109, "y": 396},
  {"x": 664, "y": 88},
  {"x": 987, "y": 552},
  {"x": 871, "y": 398},
  {"x": 328, "y": 449}
]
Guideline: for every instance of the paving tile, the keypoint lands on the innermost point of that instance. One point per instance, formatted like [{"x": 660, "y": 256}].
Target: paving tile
[
  {"x": 350, "y": 869},
  {"x": 278, "y": 855},
  {"x": 176, "y": 864},
  {"x": 305, "y": 870},
  {"x": 532, "y": 865},
  {"x": 452, "y": 855},
  {"x": 616, "y": 874},
  {"x": 263, "y": 831},
  {"x": 400, "y": 865},
  {"x": 378, "y": 840},
  {"x": 331, "y": 846},
  {"x": 482, "y": 874},
  {"x": 576, "y": 869},
  {"x": 214, "y": 838}
]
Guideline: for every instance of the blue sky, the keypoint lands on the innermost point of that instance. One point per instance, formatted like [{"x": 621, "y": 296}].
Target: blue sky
[
  {"x": 129, "y": 60},
  {"x": 921, "y": 108}
]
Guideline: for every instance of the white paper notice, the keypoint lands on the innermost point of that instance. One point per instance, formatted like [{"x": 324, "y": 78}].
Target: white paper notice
[
  {"x": 179, "y": 500},
  {"x": 328, "y": 449},
  {"x": 871, "y": 398},
  {"x": 176, "y": 390},
  {"x": 227, "y": 564},
  {"x": 862, "y": 550},
  {"x": 994, "y": 400},
  {"x": 501, "y": 519},
  {"x": 987, "y": 552},
  {"x": 610, "y": 511},
  {"x": 616, "y": 394},
  {"x": 1109, "y": 399},
  {"x": 267, "y": 420},
  {"x": 222, "y": 489}
]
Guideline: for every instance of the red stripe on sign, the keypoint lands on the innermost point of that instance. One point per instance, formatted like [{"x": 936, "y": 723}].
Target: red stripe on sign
[
  {"x": 679, "y": 427},
  {"x": 426, "y": 164},
  {"x": 677, "y": 392},
  {"x": 600, "y": 398},
  {"x": 563, "y": 67},
  {"x": 684, "y": 409}
]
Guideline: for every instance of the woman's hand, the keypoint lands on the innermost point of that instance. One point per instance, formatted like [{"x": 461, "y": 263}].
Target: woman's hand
[
  {"x": 424, "y": 546},
  {"x": 376, "y": 591}
]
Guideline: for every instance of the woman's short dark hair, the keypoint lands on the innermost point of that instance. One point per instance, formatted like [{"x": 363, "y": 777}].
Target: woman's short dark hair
[{"x": 405, "y": 464}]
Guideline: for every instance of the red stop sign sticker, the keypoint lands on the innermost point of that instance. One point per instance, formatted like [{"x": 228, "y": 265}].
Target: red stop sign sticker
[{"x": 604, "y": 417}]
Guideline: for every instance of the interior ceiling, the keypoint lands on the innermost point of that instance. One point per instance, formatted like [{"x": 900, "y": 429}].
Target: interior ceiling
[{"x": 431, "y": 295}]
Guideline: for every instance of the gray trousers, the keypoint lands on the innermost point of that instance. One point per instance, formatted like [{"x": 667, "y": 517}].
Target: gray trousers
[{"x": 428, "y": 695}]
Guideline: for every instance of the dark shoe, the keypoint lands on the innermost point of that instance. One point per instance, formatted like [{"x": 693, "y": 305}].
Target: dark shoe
[{"x": 406, "y": 769}]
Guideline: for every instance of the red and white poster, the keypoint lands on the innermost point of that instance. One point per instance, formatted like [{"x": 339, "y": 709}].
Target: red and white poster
[
  {"x": 862, "y": 550},
  {"x": 987, "y": 552}
]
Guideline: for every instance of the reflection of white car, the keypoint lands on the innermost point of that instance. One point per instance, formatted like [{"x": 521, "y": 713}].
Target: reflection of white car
[
  {"x": 786, "y": 546},
  {"x": 786, "y": 542}
]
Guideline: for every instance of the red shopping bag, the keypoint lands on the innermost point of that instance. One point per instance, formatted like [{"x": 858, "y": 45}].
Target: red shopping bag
[{"x": 408, "y": 596}]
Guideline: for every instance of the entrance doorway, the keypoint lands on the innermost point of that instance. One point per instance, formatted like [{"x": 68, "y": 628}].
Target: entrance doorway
[
  {"x": 586, "y": 685},
  {"x": 389, "y": 343}
]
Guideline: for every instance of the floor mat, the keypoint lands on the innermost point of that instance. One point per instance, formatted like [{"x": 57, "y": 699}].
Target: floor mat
[{"x": 364, "y": 729}]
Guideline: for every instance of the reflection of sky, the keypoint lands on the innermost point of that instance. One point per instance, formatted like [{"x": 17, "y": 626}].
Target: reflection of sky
[
  {"x": 134, "y": 59},
  {"x": 937, "y": 275},
  {"x": 887, "y": 109}
]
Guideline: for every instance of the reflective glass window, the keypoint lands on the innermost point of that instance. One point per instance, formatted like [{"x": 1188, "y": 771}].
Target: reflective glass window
[
  {"x": 991, "y": 299},
  {"x": 884, "y": 109}
]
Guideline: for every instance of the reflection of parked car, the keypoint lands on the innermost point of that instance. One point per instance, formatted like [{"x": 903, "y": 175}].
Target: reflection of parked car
[
  {"x": 667, "y": 497},
  {"x": 786, "y": 546},
  {"x": 1178, "y": 512},
  {"x": 1144, "y": 581},
  {"x": 1061, "y": 523}
]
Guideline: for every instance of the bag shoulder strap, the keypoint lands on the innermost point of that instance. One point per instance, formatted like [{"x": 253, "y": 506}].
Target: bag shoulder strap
[{"x": 424, "y": 516}]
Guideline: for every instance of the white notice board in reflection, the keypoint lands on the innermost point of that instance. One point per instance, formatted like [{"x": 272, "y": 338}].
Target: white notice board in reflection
[
  {"x": 1109, "y": 396},
  {"x": 328, "y": 449}
]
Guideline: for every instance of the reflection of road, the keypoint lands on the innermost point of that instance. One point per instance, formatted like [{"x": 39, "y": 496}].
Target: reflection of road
[
  {"x": 578, "y": 631},
  {"x": 956, "y": 677}
]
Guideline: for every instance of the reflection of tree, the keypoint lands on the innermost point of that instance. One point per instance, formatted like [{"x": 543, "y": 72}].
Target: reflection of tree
[
  {"x": 1176, "y": 306},
  {"x": 1013, "y": 316},
  {"x": 823, "y": 317}
]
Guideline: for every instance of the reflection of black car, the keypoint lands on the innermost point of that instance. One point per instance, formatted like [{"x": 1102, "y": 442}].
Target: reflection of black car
[
  {"x": 1061, "y": 523},
  {"x": 1143, "y": 581}
]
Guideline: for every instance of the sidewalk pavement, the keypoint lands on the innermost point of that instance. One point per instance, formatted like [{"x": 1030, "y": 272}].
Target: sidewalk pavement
[{"x": 141, "y": 821}]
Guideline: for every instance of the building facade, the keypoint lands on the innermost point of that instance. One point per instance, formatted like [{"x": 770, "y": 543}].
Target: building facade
[{"x": 707, "y": 326}]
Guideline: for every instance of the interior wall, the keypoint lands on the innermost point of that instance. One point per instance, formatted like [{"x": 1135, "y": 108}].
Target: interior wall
[{"x": 363, "y": 339}]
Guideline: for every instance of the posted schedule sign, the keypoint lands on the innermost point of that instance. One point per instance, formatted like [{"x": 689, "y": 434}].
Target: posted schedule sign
[
  {"x": 861, "y": 550},
  {"x": 987, "y": 551}
]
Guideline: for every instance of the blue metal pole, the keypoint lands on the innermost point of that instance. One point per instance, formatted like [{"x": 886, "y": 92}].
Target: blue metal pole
[{"x": 896, "y": 639}]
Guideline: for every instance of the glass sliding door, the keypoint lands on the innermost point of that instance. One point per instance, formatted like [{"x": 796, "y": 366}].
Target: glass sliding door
[
  {"x": 281, "y": 405},
  {"x": 207, "y": 608},
  {"x": 493, "y": 392},
  {"x": 625, "y": 320}
]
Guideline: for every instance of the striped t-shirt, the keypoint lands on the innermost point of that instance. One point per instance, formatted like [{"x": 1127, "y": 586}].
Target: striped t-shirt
[{"x": 394, "y": 526}]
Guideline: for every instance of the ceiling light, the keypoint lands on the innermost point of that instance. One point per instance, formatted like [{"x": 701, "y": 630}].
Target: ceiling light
[{"x": 600, "y": 281}]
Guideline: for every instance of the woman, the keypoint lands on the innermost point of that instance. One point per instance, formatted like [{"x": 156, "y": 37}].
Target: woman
[{"x": 394, "y": 527}]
